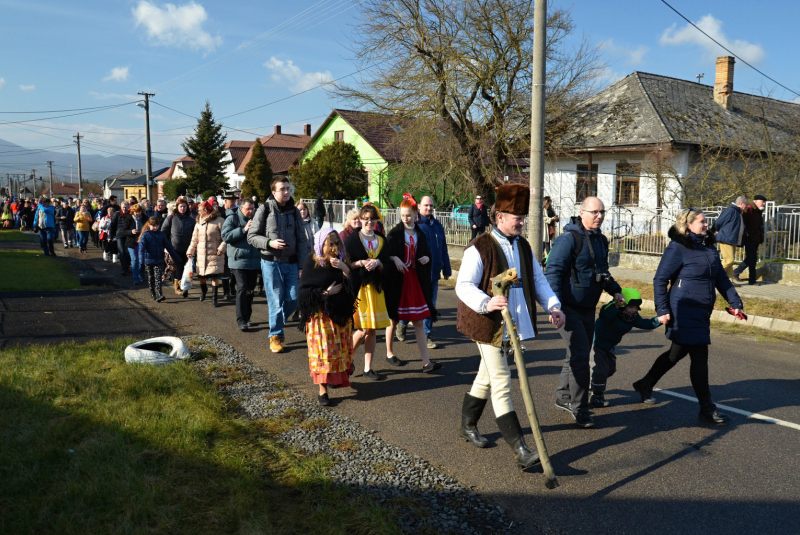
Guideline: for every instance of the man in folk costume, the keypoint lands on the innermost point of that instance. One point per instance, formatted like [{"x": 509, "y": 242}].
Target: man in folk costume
[{"x": 479, "y": 315}]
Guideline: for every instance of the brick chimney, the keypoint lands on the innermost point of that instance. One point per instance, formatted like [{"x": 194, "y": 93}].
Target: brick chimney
[
  {"x": 277, "y": 129},
  {"x": 307, "y": 130},
  {"x": 723, "y": 81}
]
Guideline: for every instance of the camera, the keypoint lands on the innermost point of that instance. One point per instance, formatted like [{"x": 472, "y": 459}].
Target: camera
[{"x": 602, "y": 278}]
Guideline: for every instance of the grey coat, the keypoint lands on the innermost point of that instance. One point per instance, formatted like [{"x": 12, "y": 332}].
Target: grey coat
[
  {"x": 274, "y": 222},
  {"x": 241, "y": 255},
  {"x": 179, "y": 229}
]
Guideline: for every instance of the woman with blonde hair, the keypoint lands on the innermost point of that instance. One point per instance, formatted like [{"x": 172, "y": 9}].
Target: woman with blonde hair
[
  {"x": 207, "y": 244},
  {"x": 351, "y": 224},
  {"x": 326, "y": 303},
  {"x": 685, "y": 287}
]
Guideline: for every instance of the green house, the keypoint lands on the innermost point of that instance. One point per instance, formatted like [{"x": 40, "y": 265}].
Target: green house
[{"x": 373, "y": 134}]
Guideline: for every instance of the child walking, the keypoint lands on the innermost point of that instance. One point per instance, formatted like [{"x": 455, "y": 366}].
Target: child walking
[
  {"x": 326, "y": 302},
  {"x": 152, "y": 243},
  {"x": 409, "y": 292},
  {"x": 614, "y": 322},
  {"x": 369, "y": 255}
]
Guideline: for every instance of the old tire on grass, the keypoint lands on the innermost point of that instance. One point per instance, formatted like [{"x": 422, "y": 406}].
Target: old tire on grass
[{"x": 154, "y": 351}]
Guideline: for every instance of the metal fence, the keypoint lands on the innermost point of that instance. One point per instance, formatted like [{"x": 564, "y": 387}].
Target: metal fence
[{"x": 628, "y": 230}]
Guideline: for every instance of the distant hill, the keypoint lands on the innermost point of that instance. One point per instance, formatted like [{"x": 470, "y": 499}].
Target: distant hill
[{"x": 17, "y": 159}]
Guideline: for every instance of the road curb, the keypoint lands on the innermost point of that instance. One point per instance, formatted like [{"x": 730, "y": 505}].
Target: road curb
[{"x": 761, "y": 322}]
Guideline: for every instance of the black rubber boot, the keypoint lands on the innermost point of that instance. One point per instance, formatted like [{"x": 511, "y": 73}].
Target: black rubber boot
[
  {"x": 203, "y": 291},
  {"x": 214, "y": 299},
  {"x": 471, "y": 411},
  {"x": 512, "y": 433}
]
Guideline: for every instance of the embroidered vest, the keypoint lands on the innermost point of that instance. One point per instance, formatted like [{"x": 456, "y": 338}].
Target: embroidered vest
[{"x": 487, "y": 328}]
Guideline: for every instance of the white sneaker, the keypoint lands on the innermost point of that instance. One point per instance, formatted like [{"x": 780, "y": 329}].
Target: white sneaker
[
  {"x": 115, "y": 259},
  {"x": 105, "y": 257}
]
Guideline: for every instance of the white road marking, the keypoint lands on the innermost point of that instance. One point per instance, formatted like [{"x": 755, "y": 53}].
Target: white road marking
[{"x": 728, "y": 408}]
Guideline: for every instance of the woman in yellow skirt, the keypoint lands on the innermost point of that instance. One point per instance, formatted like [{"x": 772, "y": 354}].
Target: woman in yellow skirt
[
  {"x": 369, "y": 254},
  {"x": 326, "y": 302}
]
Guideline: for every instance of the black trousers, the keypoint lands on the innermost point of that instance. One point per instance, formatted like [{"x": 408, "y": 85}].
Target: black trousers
[
  {"x": 698, "y": 370},
  {"x": 124, "y": 257},
  {"x": 750, "y": 261},
  {"x": 578, "y": 333},
  {"x": 476, "y": 232},
  {"x": 245, "y": 284}
]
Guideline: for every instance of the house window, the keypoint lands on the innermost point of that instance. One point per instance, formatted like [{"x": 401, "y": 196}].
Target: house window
[
  {"x": 586, "y": 183},
  {"x": 628, "y": 183},
  {"x": 338, "y": 135}
]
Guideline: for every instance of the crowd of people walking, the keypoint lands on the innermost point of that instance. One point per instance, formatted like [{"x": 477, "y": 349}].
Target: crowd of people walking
[{"x": 344, "y": 288}]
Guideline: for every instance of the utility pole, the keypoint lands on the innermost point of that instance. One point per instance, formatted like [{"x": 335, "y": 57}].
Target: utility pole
[
  {"x": 78, "y": 138},
  {"x": 149, "y": 176},
  {"x": 535, "y": 217},
  {"x": 33, "y": 176},
  {"x": 50, "y": 165}
]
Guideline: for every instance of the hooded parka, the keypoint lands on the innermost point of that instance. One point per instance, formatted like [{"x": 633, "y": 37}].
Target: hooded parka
[
  {"x": 685, "y": 287},
  {"x": 206, "y": 242}
]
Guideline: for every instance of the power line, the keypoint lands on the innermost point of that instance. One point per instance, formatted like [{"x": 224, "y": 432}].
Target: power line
[
  {"x": 68, "y": 115},
  {"x": 61, "y": 111},
  {"x": 729, "y": 50}
]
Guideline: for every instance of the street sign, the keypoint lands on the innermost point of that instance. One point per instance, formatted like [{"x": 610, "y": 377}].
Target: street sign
[{"x": 91, "y": 195}]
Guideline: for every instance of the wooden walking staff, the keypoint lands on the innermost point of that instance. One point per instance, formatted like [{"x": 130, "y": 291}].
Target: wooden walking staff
[{"x": 500, "y": 285}]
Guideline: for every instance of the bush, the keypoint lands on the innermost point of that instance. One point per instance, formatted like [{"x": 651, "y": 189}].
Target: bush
[
  {"x": 207, "y": 193},
  {"x": 174, "y": 189}
]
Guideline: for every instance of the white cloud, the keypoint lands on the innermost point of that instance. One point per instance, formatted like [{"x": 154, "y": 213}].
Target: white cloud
[
  {"x": 286, "y": 71},
  {"x": 752, "y": 53},
  {"x": 118, "y": 74},
  {"x": 2, "y": 82},
  {"x": 632, "y": 56},
  {"x": 112, "y": 96},
  {"x": 179, "y": 26},
  {"x": 27, "y": 87}
]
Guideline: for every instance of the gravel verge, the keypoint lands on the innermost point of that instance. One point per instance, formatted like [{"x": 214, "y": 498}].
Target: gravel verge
[{"x": 426, "y": 499}]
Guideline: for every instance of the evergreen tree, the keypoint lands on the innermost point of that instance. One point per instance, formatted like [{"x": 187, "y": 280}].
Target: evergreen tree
[
  {"x": 336, "y": 171},
  {"x": 174, "y": 188},
  {"x": 257, "y": 175},
  {"x": 206, "y": 150}
]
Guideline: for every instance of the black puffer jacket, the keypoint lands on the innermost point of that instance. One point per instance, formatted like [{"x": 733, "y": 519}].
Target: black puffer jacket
[
  {"x": 179, "y": 229},
  {"x": 69, "y": 214},
  {"x": 129, "y": 224}
]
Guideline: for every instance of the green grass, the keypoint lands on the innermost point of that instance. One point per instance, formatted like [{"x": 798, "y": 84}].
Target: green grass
[
  {"x": 92, "y": 445},
  {"x": 13, "y": 235},
  {"x": 25, "y": 271}
]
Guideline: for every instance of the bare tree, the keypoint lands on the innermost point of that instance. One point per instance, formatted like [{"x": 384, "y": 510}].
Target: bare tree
[{"x": 468, "y": 64}]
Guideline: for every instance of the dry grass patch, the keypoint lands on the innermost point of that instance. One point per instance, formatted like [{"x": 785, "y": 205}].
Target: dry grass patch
[
  {"x": 347, "y": 445},
  {"x": 313, "y": 424}
]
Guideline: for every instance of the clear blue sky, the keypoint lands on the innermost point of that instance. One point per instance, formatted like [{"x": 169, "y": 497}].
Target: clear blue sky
[{"x": 60, "y": 55}]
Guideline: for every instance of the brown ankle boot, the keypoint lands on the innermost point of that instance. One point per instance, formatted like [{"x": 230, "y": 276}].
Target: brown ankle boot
[{"x": 178, "y": 286}]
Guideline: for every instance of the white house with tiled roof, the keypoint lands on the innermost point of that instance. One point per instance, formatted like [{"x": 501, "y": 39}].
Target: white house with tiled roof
[{"x": 282, "y": 150}]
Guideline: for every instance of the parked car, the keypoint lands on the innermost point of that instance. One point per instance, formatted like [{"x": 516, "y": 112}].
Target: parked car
[{"x": 461, "y": 214}]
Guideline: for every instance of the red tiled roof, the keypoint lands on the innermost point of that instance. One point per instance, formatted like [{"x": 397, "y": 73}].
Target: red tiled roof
[
  {"x": 62, "y": 188},
  {"x": 281, "y": 150}
]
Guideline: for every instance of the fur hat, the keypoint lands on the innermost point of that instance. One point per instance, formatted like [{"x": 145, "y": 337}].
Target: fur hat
[{"x": 513, "y": 199}]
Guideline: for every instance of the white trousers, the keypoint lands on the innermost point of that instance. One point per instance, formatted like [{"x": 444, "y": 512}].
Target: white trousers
[{"x": 493, "y": 379}]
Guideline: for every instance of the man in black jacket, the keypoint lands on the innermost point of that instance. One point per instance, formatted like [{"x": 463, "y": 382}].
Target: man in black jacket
[
  {"x": 65, "y": 219},
  {"x": 114, "y": 228},
  {"x": 478, "y": 216}
]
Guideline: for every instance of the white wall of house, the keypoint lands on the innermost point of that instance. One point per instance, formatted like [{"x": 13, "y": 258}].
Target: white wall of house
[
  {"x": 560, "y": 182},
  {"x": 234, "y": 179}
]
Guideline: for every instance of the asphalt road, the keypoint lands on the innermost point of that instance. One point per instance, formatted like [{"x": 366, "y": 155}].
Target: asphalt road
[{"x": 644, "y": 468}]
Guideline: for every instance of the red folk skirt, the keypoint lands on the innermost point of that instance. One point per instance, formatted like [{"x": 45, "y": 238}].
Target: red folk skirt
[{"x": 412, "y": 301}]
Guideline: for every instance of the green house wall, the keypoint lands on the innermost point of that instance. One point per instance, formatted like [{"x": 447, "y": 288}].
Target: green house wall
[{"x": 375, "y": 165}]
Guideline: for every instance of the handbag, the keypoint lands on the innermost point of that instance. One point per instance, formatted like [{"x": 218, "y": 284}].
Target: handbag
[{"x": 186, "y": 279}]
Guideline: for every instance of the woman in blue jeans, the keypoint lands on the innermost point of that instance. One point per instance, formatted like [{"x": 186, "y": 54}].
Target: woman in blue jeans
[{"x": 131, "y": 229}]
